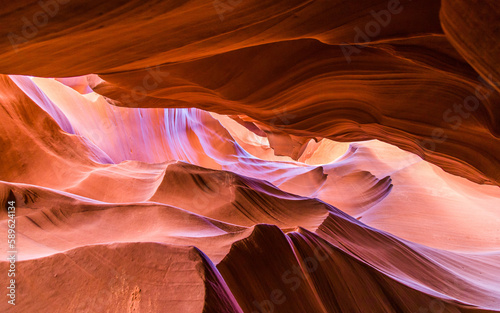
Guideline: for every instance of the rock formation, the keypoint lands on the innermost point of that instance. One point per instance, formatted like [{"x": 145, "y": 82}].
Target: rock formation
[{"x": 250, "y": 156}]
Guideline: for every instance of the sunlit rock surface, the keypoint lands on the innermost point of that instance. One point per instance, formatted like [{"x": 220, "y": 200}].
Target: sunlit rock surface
[{"x": 251, "y": 156}]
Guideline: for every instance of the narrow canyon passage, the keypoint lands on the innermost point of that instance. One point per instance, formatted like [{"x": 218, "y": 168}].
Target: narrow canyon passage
[{"x": 250, "y": 156}]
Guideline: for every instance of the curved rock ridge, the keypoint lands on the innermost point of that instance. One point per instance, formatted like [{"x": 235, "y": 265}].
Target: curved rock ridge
[
  {"x": 244, "y": 156},
  {"x": 324, "y": 272},
  {"x": 298, "y": 269}
]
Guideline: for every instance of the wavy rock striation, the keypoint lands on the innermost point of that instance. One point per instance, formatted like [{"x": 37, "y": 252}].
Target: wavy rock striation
[{"x": 251, "y": 156}]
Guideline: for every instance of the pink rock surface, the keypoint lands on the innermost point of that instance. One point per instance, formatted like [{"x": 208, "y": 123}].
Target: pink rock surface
[{"x": 228, "y": 156}]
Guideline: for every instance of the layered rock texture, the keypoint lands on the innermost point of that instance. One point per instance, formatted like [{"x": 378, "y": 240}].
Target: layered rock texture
[{"x": 251, "y": 156}]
